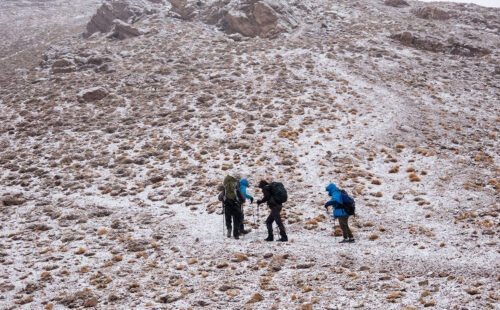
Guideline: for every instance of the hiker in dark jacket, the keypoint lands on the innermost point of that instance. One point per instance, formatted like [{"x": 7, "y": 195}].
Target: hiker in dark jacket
[
  {"x": 243, "y": 187},
  {"x": 339, "y": 212},
  {"x": 275, "y": 215},
  {"x": 232, "y": 210}
]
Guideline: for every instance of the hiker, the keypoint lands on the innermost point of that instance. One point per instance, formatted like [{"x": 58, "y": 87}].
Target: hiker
[
  {"x": 274, "y": 195},
  {"x": 232, "y": 198},
  {"x": 243, "y": 187},
  {"x": 339, "y": 212}
]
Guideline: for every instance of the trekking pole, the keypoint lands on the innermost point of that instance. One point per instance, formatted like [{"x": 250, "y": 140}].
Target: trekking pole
[
  {"x": 253, "y": 212},
  {"x": 258, "y": 219},
  {"x": 328, "y": 214},
  {"x": 334, "y": 230}
]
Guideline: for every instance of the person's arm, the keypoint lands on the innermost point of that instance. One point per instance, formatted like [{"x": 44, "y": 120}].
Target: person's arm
[
  {"x": 267, "y": 195},
  {"x": 244, "y": 191},
  {"x": 333, "y": 203},
  {"x": 330, "y": 203},
  {"x": 221, "y": 196}
]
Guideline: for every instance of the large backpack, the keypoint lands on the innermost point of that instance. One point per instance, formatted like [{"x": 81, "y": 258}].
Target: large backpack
[
  {"x": 278, "y": 192},
  {"x": 348, "y": 203},
  {"x": 230, "y": 188}
]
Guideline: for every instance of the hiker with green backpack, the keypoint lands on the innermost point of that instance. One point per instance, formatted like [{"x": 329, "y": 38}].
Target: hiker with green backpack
[
  {"x": 343, "y": 207},
  {"x": 275, "y": 195},
  {"x": 232, "y": 198}
]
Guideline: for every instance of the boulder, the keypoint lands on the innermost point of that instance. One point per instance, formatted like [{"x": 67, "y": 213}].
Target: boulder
[
  {"x": 429, "y": 12},
  {"x": 169, "y": 298},
  {"x": 123, "y": 30},
  {"x": 92, "y": 94},
  {"x": 466, "y": 50},
  {"x": 59, "y": 63},
  {"x": 124, "y": 10},
  {"x": 408, "y": 39},
  {"x": 91, "y": 302},
  {"x": 12, "y": 200},
  {"x": 184, "y": 9},
  {"x": 77, "y": 299},
  {"x": 63, "y": 69},
  {"x": 262, "y": 18},
  {"x": 396, "y": 3},
  {"x": 432, "y": 45}
]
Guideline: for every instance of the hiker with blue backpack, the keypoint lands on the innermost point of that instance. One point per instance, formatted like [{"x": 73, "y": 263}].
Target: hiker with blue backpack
[
  {"x": 343, "y": 207},
  {"x": 243, "y": 187},
  {"x": 275, "y": 195}
]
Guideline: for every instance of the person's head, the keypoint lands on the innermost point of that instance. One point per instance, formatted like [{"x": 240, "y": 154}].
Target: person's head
[
  {"x": 263, "y": 184},
  {"x": 245, "y": 182},
  {"x": 220, "y": 187},
  {"x": 331, "y": 188}
]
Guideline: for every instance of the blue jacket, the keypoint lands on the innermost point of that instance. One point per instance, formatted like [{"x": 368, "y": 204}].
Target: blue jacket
[
  {"x": 243, "y": 186},
  {"x": 336, "y": 201}
]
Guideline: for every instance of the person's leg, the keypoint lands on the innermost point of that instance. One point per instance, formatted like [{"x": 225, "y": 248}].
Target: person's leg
[
  {"x": 242, "y": 226},
  {"x": 227, "y": 214},
  {"x": 269, "y": 225},
  {"x": 276, "y": 212},
  {"x": 236, "y": 221},
  {"x": 343, "y": 226},
  {"x": 349, "y": 233}
]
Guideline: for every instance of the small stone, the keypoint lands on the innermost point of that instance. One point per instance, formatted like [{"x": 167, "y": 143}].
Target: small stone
[
  {"x": 169, "y": 298},
  {"x": 255, "y": 298},
  {"x": 92, "y": 302},
  {"x": 92, "y": 94}
]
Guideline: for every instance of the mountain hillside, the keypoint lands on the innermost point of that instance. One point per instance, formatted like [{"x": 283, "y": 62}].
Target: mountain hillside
[{"x": 118, "y": 122}]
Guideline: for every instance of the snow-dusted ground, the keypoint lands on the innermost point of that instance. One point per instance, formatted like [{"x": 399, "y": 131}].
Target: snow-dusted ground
[
  {"x": 116, "y": 198},
  {"x": 486, "y": 3}
]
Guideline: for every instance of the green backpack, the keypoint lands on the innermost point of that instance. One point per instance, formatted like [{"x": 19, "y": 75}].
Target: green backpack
[{"x": 230, "y": 188}]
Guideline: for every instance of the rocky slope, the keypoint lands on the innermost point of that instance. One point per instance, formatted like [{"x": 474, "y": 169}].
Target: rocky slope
[{"x": 112, "y": 149}]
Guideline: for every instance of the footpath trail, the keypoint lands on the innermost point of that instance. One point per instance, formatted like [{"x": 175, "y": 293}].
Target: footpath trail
[{"x": 111, "y": 152}]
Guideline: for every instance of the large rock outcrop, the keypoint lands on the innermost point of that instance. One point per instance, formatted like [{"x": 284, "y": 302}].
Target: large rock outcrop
[
  {"x": 111, "y": 10},
  {"x": 396, "y": 3},
  {"x": 433, "y": 45},
  {"x": 186, "y": 10},
  {"x": 259, "y": 18},
  {"x": 251, "y": 18},
  {"x": 429, "y": 12}
]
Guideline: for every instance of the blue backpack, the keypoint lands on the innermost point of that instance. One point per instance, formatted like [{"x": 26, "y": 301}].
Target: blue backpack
[{"x": 348, "y": 203}]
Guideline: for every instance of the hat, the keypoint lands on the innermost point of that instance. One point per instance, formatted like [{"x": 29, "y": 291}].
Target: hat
[{"x": 263, "y": 184}]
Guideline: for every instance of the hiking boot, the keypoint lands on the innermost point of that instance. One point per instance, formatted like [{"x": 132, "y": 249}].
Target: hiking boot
[
  {"x": 229, "y": 234},
  {"x": 270, "y": 237},
  {"x": 344, "y": 241},
  {"x": 236, "y": 237},
  {"x": 351, "y": 240},
  {"x": 284, "y": 238},
  {"x": 244, "y": 232}
]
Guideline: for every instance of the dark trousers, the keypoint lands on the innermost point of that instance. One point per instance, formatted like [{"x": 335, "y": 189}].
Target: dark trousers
[
  {"x": 275, "y": 216},
  {"x": 344, "y": 225},
  {"x": 242, "y": 226},
  {"x": 232, "y": 210}
]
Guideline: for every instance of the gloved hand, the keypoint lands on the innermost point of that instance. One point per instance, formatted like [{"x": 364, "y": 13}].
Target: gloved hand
[
  {"x": 251, "y": 200},
  {"x": 259, "y": 202}
]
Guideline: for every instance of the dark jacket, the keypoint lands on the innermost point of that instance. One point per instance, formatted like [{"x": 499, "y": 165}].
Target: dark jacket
[{"x": 266, "y": 190}]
